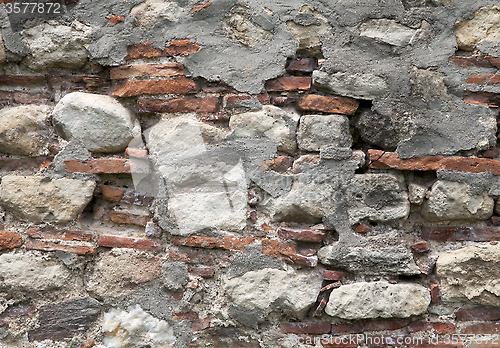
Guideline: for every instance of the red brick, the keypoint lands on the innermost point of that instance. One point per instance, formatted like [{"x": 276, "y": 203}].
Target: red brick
[
  {"x": 291, "y": 83},
  {"x": 495, "y": 220},
  {"x": 200, "y": 324},
  {"x": 286, "y": 251},
  {"x": 348, "y": 328},
  {"x": 136, "y": 153},
  {"x": 128, "y": 242},
  {"x": 301, "y": 235},
  {"x": 284, "y": 101},
  {"x": 482, "y": 329},
  {"x": 461, "y": 233},
  {"x": 333, "y": 275},
  {"x": 48, "y": 246},
  {"x": 200, "y": 7},
  {"x": 182, "y": 85},
  {"x": 279, "y": 164},
  {"x": 107, "y": 166},
  {"x": 125, "y": 217},
  {"x": 118, "y": 194},
  {"x": 139, "y": 70},
  {"x": 336, "y": 105},
  {"x": 234, "y": 242},
  {"x": 434, "y": 293},
  {"x": 264, "y": 98},
  {"x": 196, "y": 241},
  {"x": 10, "y": 240},
  {"x": 477, "y": 313},
  {"x": 189, "y": 256},
  {"x": 323, "y": 300},
  {"x": 186, "y": 104},
  {"x": 439, "y": 328},
  {"x": 305, "y": 65},
  {"x": 494, "y": 61},
  {"x": 114, "y": 19},
  {"x": 306, "y": 328},
  {"x": 88, "y": 343},
  {"x": 493, "y": 153},
  {"x": 471, "y": 62},
  {"x": 205, "y": 272},
  {"x": 8, "y": 164},
  {"x": 111, "y": 193},
  {"x": 23, "y": 81},
  {"x": 363, "y": 228},
  {"x": 175, "y": 48},
  {"x": 489, "y": 99},
  {"x": 331, "y": 286},
  {"x": 481, "y": 79},
  {"x": 192, "y": 315},
  {"x": 421, "y": 247},
  {"x": 385, "y": 324},
  {"x": 46, "y": 233}
]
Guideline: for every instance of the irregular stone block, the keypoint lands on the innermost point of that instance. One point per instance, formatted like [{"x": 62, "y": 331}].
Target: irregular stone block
[
  {"x": 65, "y": 319},
  {"x": 238, "y": 25},
  {"x": 316, "y": 131},
  {"x": 277, "y": 124},
  {"x": 451, "y": 201},
  {"x": 416, "y": 193},
  {"x": 380, "y": 130},
  {"x": 470, "y": 274},
  {"x": 359, "y": 86},
  {"x": 387, "y": 31},
  {"x": 101, "y": 122},
  {"x": 429, "y": 85},
  {"x": 148, "y": 13},
  {"x": 37, "y": 199},
  {"x": 257, "y": 293},
  {"x": 23, "y": 130},
  {"x": 486, "y": 22},
  {"x": 174, "y": 275},
  {"x": 378, "y": 300},
  {"x": 29, "y": 272},
  {"x": 377, "y": 197}
]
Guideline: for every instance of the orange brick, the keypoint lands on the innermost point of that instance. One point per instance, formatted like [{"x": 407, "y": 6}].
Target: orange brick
[
  {"x": 114, "y": 19},
  {"x": 333, "y": 275},
  {"x": 112, "y": 193},
  {"x": 46, "y": 233},
  {"x": 139, "y": 70},
  {"x": 182, "y": 85},
  {"x": 128, "y": 242},
  {"x": 48, "y": 246},
  {"x": 489, "y": 99},
  {"x": 200, "y": 7},
  {"x": 125, "y": 217},
  {"x": 363, "y": 228},
  {"x": 189, "y": 256},
  {"x": 107, "y": 166},
  {"x": 196, "y": 241},
  {"x": 291, "y": 83},
  {"x": 421, "y": 247},
  {"x": 301, "y": 235},
  {"x": 481, "y": 79},
  {"x": 234, "y": 242},
  {"x": 10, "y": 240},
  {"x": 286, "y": 251},
  {"x": 136, "y": 153},
  {"x": 337, "y": 105}
]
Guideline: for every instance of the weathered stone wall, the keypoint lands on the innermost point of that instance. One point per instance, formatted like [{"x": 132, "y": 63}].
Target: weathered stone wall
[{"x": 250, "y": 174}]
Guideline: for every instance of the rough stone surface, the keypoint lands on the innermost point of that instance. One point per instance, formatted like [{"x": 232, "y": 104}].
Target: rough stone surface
[
  {"x": 174, "y": 275},
  {"x": 100, "y": 122},
  {"x": 37, "y": 199},
  {"x": 378, "y": 300},
  {"x": 470, "y": 274},
  {"x": 149, "y": 12},
  {"x": 238, "y": 25},
  {"x": 23, "y": 130},
  {"x": 258, "y": 293},
  {"x": 53, "y": 45},
  {"x": 31, "y": 273},
  {"x": 416, "y": 193},
  {"x": 275, "y": 123},
  {"x": 376, "y": 129},
  {"x": 387, "y": 31},
  {"x": 452, "y": 201},
  {"x": 377, "y": 197},
  {"x": 360, "y": 86},
  {"x": 485, "y": 24},
  {"x": 316, "y": 131}
]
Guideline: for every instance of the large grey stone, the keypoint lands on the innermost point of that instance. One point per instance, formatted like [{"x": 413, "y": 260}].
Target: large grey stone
[
  {"x": 254, "y": 295},
  {"x": 450, "y": 200},
  {"x": 360, "y": 86},
  {"x": 101, "y": 122},
  {"x": 377, "y": 197},
  {"x": 277, "y": 124},
  {"x": 470, "y": 274},
  {"x": 316, "y": 131},
  {"x": 377, "y": 129},
  {"x": 484, "y": 26},
  {"x": 372, "y": 261},
  {"x": 378, "y": 300},
  {"x": 23, "y": 130},
  {"x": 149, "y": 12},
  {"x": 37, "y": 199},
  {"x": 29, "y": 272},
  {"x": 387, "y": 31},
  {"x": 53, "y": 45}
]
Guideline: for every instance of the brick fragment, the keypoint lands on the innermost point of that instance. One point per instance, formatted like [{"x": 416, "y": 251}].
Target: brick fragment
[
  {"x": 286, "y": 251},
  {"x": 482, "y": 329},
  {"x": 471, "y": 62},
  {"x": 439, "y": 328},
  {"x": 191, "y": 315},
  {"x": 291, "y": 83},
  {"x": 385, "y": 324},
  {"x": 489, "y": 99},
  {"x": 10, "y": 240},
  {"x": 323, "y": 300},
  {"x": 278, "y": 164},
  {"x": 301, "y": 235},
  {"x": 495, "y": 61},
  {"x": 331, "y": 286},
  {"x": 204, "y": 272},
  {"x": 363, "y": 228},
  {"x": 234, "y": 242},
  {"x": 19, "y": 97},
  {"x": 125, "y": 217},
  {"x": 139, "y": 70},
  {"x": 493, "y": 153},
  {"x": 304, "y": 65},
  {"x": 333, "y": 275},
  {"x": 186, "y": 104},
  {"x": 111, "y": 193},
  {"x": 264, "y": 98},
  {"x": 200, "y": 324},
  {"x": 128, "y": 242},
  {"x": 421, "y": 247},
  {"x": 191, "y": 257},
  {"x": 434, "y": 293},
  {"x": 118, "y": 194},
  {"x": 23, "y": 80},
  {"x": 215, "y": 117},
  {"x": 284, "y": 101},
  {"x": 336, "y": 105},
  {"x": 200, "y": 7},
  {"x": 461, "y": 233},
  {"x": 115, "y": 19},
  {"x": 196, "y": 241},
  {"x": 477, "y": 313},
  {"x": 48, "y": 233},
  {"x": 306, "y": 328},
  {"x": 482, "y": 79},
  {"x": 8, "y": 164},
  {"x": 174, "y": 48},
  {"x": 348, "y": 328},
  {"x": 136, "y": 153},
  {"x": 182, "y": 85},
  {"x": 48, "y": 246},
  {"x": 107, "y": 166}
]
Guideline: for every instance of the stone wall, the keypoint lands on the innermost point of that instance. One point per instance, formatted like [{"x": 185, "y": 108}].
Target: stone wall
[{"x": 250, "y": 174}]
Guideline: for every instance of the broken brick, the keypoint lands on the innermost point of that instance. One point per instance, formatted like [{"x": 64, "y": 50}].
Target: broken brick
[
  {"x": 23, "y": 80},
  {"x": 196, "y": 241},
  {"x": 189, "y": 256},
  {"x": 301, "y": 235},
  {"x": 461, "y": 233},
  {"x": 348, "y": 328},
  {"x": 114, "y": 19},
  {"x": 331, "y": 286},
  {"x": 471, "y": 62},
  {"x": 200, "y": 7},
  {"x": 279, "y": 164},
  {"x": 125, "y": 217},
  {"x": 363, "y": 228},
  {"x": 136, "y": 153},
  {"x": 111, "y": 193},
  {"x": 489, "y": 99},
  {"x": 107, "y": 166},
  {"x": 306, "y": 328},
  {"x": 439, "y": 328},
  {"x": 482, "y": 329},
  {"x": 47, "y": 233},
  {"x": 303, "y": 65},
  {"x": 287, "y": 251},
  {"x": 323, "y": 300},
  {"x": 10, "y": 240},
  {"x": 139, "y": 70},
  {"x": 182, "y": 85},
  {"x": 283, "y": 101},
  {"x": 421, "y": 247},
  {"x": 174, "y": 48},
  {"x": 234, "y": 242},
  {"x": 204, "y": 272},
  {"x": 434, "y": 293},
  {"x": 481, "y": 79},
  {"x": 291, "y": 83},
  {"x": 336, "y": 105},
  {"x": 48, "y": 246},
  {"x": 128, "y": 242},
  {"x": 200, "y": 324},
  {"x": 333, "y": 275},
  {"x": 466, "y": 313},
  {"x": 186, "y": 104}
]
